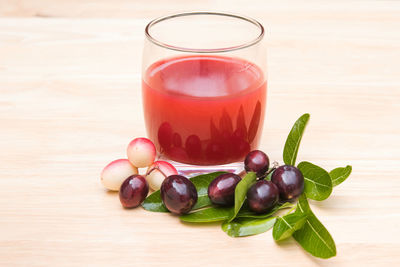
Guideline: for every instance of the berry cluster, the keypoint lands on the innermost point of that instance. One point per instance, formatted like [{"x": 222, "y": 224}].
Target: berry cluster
[
  {"x": 287, "y": 183},
  {"x": 122, "y": 175},
  {"x": 178, "y": 193}
]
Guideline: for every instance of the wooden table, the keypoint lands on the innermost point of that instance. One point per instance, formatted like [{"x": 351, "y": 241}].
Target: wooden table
[{"x": 70, "y": 102}]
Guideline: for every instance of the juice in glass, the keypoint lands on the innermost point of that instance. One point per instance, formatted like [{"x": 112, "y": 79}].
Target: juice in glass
[{"x": 204, "y": 109}]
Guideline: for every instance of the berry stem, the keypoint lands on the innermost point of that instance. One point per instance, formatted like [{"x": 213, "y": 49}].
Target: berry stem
[
  {"x": 270, "y": 171},
  {"x": 275, "y": 165},
  {"x": 242, "y": 173},
  {"x": 156, "y": 168}
]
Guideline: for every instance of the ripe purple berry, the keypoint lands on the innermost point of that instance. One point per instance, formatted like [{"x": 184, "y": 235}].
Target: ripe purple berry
[
  {"x": 256, "y": 161},
  {"x": 178, "y": 194},
  {"x": 262, "y": 196},
  {"x": 289, "y": 180},
  {"x": 133, "y": 191},
  {"x": 221, "y": 190}
]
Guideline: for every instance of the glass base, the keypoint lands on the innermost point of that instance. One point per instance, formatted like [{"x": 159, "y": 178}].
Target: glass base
[{"x": 189, "y": 170}]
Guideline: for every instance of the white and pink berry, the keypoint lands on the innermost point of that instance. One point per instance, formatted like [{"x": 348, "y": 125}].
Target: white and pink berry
[
  {"x": 115, "y": 173},
  {"x": 158, "y": 171},
  {"x": 141, "y": 152}
]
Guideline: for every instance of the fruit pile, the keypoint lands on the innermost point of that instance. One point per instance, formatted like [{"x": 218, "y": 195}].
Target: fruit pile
[
  {"x": 178, "y": 193},
  {"x": 245, "y": 206},
  {"x": 122, "y": 174}
]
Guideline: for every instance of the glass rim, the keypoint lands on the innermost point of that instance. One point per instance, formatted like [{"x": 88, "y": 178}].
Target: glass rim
[{"x": 205, "y": 50}]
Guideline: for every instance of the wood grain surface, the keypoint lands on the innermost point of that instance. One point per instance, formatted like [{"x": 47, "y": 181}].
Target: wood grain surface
[{"x": 70, "y": 102}]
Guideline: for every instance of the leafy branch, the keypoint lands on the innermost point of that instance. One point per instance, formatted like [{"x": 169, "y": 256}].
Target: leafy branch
[{"x": 300, "y": 222}]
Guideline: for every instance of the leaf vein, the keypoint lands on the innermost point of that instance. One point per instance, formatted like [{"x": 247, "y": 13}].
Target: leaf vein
[
  {"x": 319, "y": 236},
  {"x": 340, "y": 177},
  {"x": 286, "y": 223},
  {"x": 323, "y": 185}
]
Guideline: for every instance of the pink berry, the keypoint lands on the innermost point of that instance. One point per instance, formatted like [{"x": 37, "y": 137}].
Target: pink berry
[
  {"x": 141, "y": 152},
  {"x": 115, "y": 173},
  {"x": 158, "y": 171}
]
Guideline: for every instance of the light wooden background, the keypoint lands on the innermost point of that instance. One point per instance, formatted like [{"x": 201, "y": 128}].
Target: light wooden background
[{"x": 70, "y": 102}]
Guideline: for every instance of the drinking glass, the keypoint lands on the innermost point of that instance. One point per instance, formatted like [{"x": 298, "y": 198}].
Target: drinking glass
[{"x": 204, "y": 89}]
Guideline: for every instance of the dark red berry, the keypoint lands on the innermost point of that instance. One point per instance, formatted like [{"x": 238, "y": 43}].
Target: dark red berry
[
  {"x": 221, "y": 190},
  {"x": 262, "y": 196},
  {"x": 289, "y": 180},
  {"x": 256, "y": 161},
  {"x": 133, "y": 191},
  {"x": 178, "y": 194}
]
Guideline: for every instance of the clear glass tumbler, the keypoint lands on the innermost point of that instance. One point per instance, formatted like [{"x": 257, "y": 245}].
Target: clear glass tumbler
[{"x": 204, "y": 89}]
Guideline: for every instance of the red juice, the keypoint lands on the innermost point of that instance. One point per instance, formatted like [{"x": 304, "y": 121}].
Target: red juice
[{"x": 204, "y": 110}]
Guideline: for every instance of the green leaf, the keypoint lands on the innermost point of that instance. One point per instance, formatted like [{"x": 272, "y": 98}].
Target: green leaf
[
  {"x": 154, "y": 203},
  {"x": 286, "y": 225},
  {"x": 302, "y": 205},
  {"x": 201, "y": 182},
  {"x": 313, "y": 236},
  {"x": 240, "y": 193},
  {"x": 248, "y": 226},
  {"x": 293, "y": 140},
  {"x": 339, "y": 175},
  {"x": 213, "y": 214},
  {"x": 246, "y": 213},
  {"x": 317, "y": 182},
  {"x": 270, "y": 172}
]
